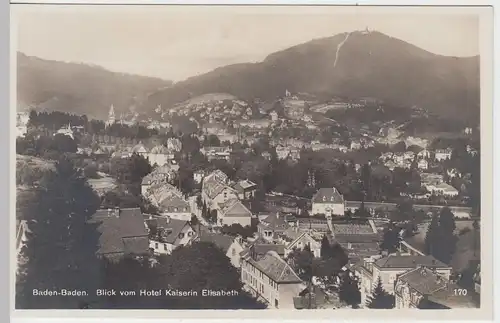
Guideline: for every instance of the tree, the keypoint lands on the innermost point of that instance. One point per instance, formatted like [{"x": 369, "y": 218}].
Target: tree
[
  {"x": 130, "y": 171},
  {"x": 194, "y": 220},
  {"x": 325, "y": 248},
  {"x": 440, "y": 240},
  {"x": 61, "y": 244},
  {"x": 349, "y": 290},
  {"x": 391, "y": 240},
  {"x": 203, "y": 266},
  {"x": 432, "y": 235},
  {"x": 380, "y": 299}
]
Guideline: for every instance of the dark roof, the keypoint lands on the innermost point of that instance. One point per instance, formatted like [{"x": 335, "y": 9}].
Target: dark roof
[
  {"x": 173, "y": 227},
  {"x": 328, "y": 195},
  {"x": 275, "y": 267},
  {"x": 220, "y": 240},
  {"x": 423, "y": 280},
  {"x": 122, "y": 231},
  {"x": 398, "y": 261}
]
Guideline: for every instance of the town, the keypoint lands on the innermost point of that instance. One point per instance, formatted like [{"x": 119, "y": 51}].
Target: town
[{"x": 283, "y": 203}]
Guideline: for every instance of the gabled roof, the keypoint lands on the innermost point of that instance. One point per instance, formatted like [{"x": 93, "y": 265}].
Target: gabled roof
[
  {"x": 235, "y": 209},
  {"x": 160, "y": 149},
  {"x": 275, "y": 267},
  {"x": 174, "y": 226},
  {"x": 328, "y": 195},
  {"x": 398, "y": 261},
  {"x": 304, "y": 235}
]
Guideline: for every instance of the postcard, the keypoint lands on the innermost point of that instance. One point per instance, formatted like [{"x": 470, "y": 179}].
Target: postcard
[{"x": 262, "y": 160}]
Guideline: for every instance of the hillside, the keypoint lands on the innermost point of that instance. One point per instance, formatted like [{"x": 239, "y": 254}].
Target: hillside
[
  {"x": 79, "y": 88},
  {"x": 363, "y": 65}
]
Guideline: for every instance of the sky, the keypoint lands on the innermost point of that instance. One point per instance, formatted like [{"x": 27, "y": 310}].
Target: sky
[{"x": 177, "y": 42}]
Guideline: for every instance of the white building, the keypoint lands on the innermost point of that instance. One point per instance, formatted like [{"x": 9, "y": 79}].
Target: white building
[
  {"x": 443, "y": 154},
  {"x": 328, "y": 201},
  {"x": 165, "y": 234},
  {"x": 270, "y": 278},
  {"x": 388, "y": 268}
]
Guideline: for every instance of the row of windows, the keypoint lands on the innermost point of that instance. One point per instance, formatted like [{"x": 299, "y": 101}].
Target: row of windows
[{"x": 262, "y": 276}]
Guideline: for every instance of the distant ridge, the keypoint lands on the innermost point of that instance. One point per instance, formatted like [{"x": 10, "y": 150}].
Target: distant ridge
[{"x": 368, "y": 64}]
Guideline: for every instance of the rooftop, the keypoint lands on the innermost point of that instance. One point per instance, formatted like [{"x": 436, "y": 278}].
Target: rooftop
[
  {"x": 122, "y": 231},
  {"x": 399, "y": 261},
  {"x": 275, "y": 267},
  {"x": 328, "y": 195},
  {"x": 173, "y": 227}
]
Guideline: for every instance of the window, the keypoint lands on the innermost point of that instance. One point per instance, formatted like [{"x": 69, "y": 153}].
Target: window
[
  {"x": 181, "y": 235},
  {"x": 164, "y": 246},
  {"x": 276, "y": 303},
  {"x": 190, "y": 233},
  {"x": 233, "y": 252},
  {"x": 156, "y": 245}
]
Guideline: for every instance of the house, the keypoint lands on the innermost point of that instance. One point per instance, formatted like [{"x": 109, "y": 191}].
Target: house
[
  {"x": 424, "y": 154},
  {"x": 442, "y": 189},
  {"x": 66, "y": 131},
  {"x": 282, "y": 152},
  {"x": 328, "y": 201},
  {"x": 215, "y": 190},
  {"x": 166, "y": 234},
  {"x": 274, "y": 115},
  {"x": 425, "y": 288},
  {"x": 175, "y": 207},
  {"x": 356, "y": 145},
  {"x": 272, "y": 226},
  {"x": 271, "y": 279},
  {"x": 245, "y": 189},
  {"x": 409, "y": 155},
  {"x": 443, "y": 154},
  {"x": 216, "y": 152},
  {"x": 232, "y": 247},
  {"x": 423, "y": 164},
  {"x": 389, "y": 267},
  {"x": 122, "y": 233},
  {"x": 157, "y": 191},
  {"x": 174, "y": 144},
  {"x": 159, "y": 155},
  {"x": 166, "y": 173},
  {"x": 233, "y": 212},
  {"x": 296, "y": 239}
]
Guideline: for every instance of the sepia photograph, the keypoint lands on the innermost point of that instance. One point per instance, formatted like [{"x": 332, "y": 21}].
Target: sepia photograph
[{"x": 248, "y": 158}]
